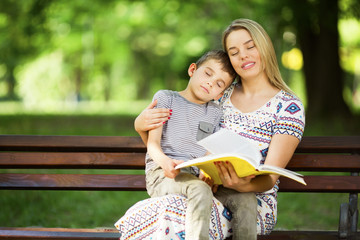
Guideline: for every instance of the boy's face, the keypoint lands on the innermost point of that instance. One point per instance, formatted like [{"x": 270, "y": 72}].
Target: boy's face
[{"x": 208, "y": 81}]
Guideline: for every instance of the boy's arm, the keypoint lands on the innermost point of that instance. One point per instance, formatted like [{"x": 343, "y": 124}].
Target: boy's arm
[{"x": 156, "y": 153}]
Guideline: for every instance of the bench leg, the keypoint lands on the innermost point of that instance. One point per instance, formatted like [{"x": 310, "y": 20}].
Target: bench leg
[
  {"x": 349, "y": 215},
  {"x": 354, "y": 212},
  {"x": 344, "y": 222}
]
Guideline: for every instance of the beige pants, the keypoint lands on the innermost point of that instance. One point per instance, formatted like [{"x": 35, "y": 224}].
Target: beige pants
[
  {"x": 198, "y": 193},
  {"x": 243, "y": 207}
]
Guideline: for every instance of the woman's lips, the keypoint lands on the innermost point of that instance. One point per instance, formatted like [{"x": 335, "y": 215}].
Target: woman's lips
[{"x": 247, "y": 65}]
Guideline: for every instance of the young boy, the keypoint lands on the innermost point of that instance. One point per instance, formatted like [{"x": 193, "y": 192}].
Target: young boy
[{"x": 194, "y": 116}]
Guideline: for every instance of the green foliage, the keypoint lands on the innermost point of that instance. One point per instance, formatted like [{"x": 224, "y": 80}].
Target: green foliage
[{"x": 69, "y": 51}]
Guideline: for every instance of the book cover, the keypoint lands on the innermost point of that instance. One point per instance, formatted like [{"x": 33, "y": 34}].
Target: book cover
[{"x": 225, "y": 145}]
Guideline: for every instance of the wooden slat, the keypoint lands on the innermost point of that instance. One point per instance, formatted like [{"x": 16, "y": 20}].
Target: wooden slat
[
  {"x": 111, "y": 182},
  {"x": 323, "y": 163},
  {"x": 58, "y": 233},
  {"x": 332, "y": 163},
  {"x": 338, "y": 184},
  {"x": 304, "y": 235},
  {"x": 95, "y": 182},
  {"x": 71, "y": 143},
  {"x": 110, "y": 234},
  {"x": 83, "y": 160},
  {"x": 105, "y": 160},
  {"x": 329, "y": 144},
  {"x": 114, "y": 143}
]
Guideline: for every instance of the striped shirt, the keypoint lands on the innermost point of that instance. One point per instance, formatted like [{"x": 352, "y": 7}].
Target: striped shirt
[{"x": 189, "y": 123}]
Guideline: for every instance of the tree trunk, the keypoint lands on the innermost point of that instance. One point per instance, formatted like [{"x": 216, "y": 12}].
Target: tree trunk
[
  {"x": 317, "y": 26},
  {"x": 11, "y": 81}
]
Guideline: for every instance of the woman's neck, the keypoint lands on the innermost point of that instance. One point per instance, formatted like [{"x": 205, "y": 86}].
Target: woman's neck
[{"x": 257, "y": 85}]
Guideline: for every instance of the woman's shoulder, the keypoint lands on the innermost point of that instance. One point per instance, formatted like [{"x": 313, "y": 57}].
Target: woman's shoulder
[
  {"x": 290, "y": 104},
  {"x": 288, "y": 98}
]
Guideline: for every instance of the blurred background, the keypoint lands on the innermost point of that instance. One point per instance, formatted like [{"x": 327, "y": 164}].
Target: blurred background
[{"x": 88, "y": 67}]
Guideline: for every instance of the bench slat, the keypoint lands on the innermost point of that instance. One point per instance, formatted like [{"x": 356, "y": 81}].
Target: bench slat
[
  {"x": 338, "y": 184},
  {"x": 71, "y": 143},
  {"x": 308, "y": 144},
  {"x": 94, "y": 182},
  {"x": 327, "y": 144},
  {"x": 302, "y": 235},
  {"x": 111, "y": 182},
  {"x": 323, "y": 163},
  {"x": 105, "y": 160},
  {"x": 61, "y": 233},
  {"x": 58, "y": 233},
  {"x": 83, "y": 160}
]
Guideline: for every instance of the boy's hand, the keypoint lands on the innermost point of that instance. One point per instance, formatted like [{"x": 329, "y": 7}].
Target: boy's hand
[
  {"x": 206, "y": 179},
  {"x": 169, "y": 168},
  {"x": 209, "y": 181}
]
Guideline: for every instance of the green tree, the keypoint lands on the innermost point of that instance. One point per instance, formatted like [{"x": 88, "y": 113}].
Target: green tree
[
  {"x": 23, "y": 34},
  {"x": 315, "y": 24}
]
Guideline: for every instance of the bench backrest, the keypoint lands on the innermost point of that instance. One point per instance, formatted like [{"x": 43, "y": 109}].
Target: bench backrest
[{"x": 314, "y": 154}]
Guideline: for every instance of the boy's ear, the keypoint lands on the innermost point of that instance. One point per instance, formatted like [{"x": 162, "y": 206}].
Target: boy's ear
[
  {"x": 219, "y": 96},
  {"x": 192, "y": 68}
]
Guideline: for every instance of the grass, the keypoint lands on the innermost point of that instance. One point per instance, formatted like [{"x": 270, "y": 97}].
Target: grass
[{"x": 91, "y": 209}]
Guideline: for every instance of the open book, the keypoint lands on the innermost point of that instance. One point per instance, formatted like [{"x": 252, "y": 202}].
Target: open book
[{"x": 226, "y": 145}]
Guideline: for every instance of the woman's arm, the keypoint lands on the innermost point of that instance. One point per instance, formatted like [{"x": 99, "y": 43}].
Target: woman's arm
[
  {"x": 281, "y": 149},
  {"x": 150, "y": 119}
]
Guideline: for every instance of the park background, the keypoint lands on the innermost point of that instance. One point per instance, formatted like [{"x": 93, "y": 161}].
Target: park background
[{"x": 88, "y": 67}]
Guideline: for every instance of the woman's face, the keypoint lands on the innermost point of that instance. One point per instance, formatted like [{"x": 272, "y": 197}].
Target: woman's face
[{"x": 244, "y": 55}]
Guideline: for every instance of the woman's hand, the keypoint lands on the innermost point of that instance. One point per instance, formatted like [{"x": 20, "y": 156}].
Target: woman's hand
[
  {"x": 151, "y": 118},
  {"x": 229, "y": 177}
]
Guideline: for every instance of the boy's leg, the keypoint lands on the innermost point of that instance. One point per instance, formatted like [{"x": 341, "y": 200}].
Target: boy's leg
[
  {"x": 243, "y": 207},
  {"x": 199, "y": 195}
]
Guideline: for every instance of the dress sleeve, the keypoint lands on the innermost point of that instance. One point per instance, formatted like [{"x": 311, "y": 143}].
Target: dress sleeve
[{"x": 291, "y": 118}]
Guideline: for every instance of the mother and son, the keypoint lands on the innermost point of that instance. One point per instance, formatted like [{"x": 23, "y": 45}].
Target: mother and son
[{"x": 239, "y": 88}]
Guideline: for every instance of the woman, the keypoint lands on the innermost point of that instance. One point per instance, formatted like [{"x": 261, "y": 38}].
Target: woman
[{"x": 260, "y": 107}]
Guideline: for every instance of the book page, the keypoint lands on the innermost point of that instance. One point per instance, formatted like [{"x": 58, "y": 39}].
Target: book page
[
  {"x": 283, "y": 172},
  {"x": 242, "y": 166},
  {"x": 226, "y": 141}
]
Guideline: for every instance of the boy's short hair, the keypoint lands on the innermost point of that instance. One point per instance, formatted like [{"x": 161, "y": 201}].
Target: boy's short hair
[{"x": 220, "y": 56}]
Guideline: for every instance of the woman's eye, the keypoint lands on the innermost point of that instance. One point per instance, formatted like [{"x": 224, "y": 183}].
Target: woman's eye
[
  {"x": 207, "y": 73},
  {"x": 251, "y": 47},
  {"x": 233, "y": 53}
]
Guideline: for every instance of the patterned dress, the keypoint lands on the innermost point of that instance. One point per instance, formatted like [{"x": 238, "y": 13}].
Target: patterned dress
[
  {"x": 282, "y": 114},
  {"x": 164, "y": 217}
]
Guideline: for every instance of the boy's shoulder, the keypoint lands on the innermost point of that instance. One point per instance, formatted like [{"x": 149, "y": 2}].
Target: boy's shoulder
[{"x": 168, "y": 93}]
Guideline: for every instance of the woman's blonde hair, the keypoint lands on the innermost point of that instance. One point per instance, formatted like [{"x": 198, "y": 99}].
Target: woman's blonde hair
[{"x": 265, "y": 47}]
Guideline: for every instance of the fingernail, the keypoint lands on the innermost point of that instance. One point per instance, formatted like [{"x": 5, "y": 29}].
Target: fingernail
[
  {"x": 164, "y": 122},
  {"x": 170, "y": 110},
  {"x": 168, "y": 117},
  {"x": 170, "y": 113}
]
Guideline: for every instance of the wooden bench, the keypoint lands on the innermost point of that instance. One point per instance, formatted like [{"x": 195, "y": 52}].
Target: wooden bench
[{"x": 314, "y": 155}]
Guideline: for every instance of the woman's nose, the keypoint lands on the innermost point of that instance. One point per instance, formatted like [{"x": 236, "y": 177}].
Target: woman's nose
[{"x": 243, "y": 55}]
